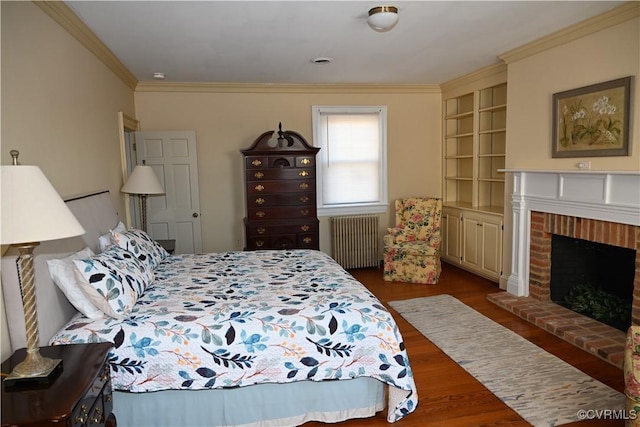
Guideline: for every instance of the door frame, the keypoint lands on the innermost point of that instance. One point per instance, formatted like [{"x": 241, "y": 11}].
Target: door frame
[{"x": 127, "y": 125}]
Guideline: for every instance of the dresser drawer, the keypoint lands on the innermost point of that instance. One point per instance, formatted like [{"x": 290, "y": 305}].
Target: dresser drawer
[
  {"x": 276, "y": 174},
  {"x": 254, "y": 229},
  {"x": 284, "y": 199},
  {"x": 281, "y": 186},
  {"x": 269, "y": 213},
  {"x": 97, "y": 403}
]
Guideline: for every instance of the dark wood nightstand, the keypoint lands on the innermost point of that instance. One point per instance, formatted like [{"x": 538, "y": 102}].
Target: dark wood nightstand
[
  {"x": 80, "y": 396},
  {"x": 169, "y": 245}
]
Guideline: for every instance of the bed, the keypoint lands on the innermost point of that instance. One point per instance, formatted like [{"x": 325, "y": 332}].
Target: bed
[{"x": 268, "y": 338}]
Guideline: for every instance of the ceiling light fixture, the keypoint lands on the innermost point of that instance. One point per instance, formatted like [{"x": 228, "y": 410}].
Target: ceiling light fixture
[
  {"x": 158, "y": 76},
  {"x": 383, "y": 18}
]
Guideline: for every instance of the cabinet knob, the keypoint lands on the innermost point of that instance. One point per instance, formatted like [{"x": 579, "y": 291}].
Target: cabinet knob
[
  {"x": 305, "y": 161},
  {"x": 258, "y": 175},
  {"x": 304, "y": 185},
  {"x": 304, "y": 199},
  {"x": 261, "y": 230},
  {"x": 304, "y": 212},
  {"x": 259, "y": 243},
  {"x": 256, "y": 162},
  {"x": 305, "y": 228},
  {"x": 260, "y": 214},
  {"x": 259, "y": 187},
  {"x": 304, "y": 173},
  {"x": 307, "y": 240},
  {"x": 259, "y": 200}
]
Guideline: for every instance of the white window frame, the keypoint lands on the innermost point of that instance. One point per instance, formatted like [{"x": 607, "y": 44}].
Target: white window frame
[{"x": 381, "y": 205}]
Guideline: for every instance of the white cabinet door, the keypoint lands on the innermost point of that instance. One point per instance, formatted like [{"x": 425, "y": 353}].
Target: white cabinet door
[
  {"x": 471, "y": 242},
  {"x": 492, "y": 247},
  {"x": 450, "y": 235}
]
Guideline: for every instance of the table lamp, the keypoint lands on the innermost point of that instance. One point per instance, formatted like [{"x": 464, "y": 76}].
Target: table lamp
[
  {"x": 32, "y": 212},
  {"x": 143, "y": 181}
]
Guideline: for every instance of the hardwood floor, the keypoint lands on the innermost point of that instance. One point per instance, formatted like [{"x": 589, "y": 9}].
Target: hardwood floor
[{"x": 448, "y": 396}]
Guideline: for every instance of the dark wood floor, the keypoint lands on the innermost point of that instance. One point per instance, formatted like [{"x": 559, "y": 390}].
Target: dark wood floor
[{"x": 448, "y": 396}]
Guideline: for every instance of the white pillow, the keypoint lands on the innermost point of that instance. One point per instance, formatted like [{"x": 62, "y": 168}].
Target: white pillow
[
  {"x": 104, "y": 241},
  {"x": 62, "y": 271}
]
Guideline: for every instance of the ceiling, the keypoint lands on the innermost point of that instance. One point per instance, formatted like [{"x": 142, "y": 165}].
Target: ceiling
[{"x": 275, "y": 41}]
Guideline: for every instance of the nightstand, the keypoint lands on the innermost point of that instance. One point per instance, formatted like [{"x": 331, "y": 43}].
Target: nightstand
[
  {"x": 80, "y": 396},
  {"x": 169, "y": 245}
]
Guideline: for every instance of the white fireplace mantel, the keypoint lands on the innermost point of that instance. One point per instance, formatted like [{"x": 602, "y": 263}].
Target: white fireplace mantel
[{"x": 603, "y": 195}]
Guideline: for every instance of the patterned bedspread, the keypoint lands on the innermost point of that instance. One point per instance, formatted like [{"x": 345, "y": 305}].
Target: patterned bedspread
[{"x": 233, "y": 319}]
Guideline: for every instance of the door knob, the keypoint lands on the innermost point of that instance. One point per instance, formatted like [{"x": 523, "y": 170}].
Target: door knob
[{"x": 195, "y": 214}]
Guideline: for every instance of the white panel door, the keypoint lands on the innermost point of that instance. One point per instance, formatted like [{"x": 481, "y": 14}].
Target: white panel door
[{"x": 176, "y": 214}]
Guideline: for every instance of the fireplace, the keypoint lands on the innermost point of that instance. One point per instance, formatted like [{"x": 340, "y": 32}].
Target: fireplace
[
  {"x": 600, "y": 207},
  {"x": 621, "y": 237}
]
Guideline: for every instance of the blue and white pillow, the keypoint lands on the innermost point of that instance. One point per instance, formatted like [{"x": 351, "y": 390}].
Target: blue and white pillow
[
  {"x": 141, "y": 245},
  {"x": 113, "y": 280}
]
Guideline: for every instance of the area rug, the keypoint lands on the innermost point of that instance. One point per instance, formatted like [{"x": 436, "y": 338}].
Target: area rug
[{"x": 541, "y": 388}]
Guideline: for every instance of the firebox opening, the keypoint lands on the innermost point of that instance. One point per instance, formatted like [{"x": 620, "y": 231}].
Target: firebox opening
[{"x": 593, "y": 279}]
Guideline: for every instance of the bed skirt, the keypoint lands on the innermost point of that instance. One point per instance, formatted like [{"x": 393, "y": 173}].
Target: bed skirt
[{"x": 265, "y": 405}]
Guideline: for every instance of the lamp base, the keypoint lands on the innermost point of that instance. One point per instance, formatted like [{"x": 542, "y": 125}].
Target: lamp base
[{"x": 51, "y": 368}]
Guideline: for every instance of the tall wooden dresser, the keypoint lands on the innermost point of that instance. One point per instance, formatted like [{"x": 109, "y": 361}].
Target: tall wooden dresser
[{"x": 280, "y": 178}]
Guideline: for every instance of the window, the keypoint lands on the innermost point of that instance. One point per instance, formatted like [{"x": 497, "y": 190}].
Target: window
[{"x": 352, "y": 162}]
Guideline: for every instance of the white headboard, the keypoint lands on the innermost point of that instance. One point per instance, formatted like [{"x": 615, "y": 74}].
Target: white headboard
[{"x": 97, "y": 215}]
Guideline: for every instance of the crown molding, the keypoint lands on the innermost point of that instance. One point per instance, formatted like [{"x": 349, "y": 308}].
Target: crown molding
[
  {"x": 284, "y": 88},
  {"x": 490, "y": 75},
  {"x": 584, "y": 28},
  {"x": 67, "y": 19}
]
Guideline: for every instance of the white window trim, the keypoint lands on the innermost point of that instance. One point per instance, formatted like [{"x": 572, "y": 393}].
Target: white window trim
[{"x": 353, "y": 209}]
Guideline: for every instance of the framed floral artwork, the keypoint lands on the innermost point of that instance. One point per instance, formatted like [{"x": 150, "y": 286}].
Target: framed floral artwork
[{"x": 592, "y": 121}]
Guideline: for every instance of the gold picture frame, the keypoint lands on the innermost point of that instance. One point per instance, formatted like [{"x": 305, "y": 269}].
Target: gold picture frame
[{"x": 592, "y": 121}]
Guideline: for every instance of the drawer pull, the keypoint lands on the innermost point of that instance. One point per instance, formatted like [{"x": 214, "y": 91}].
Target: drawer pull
[
  {"x": 305, "y": 228},
  {"x": 81, "y": 418},
  {"x": 304, "y": 173},
  {"x": 261, "y": 230},
  {"x": 307, "y": 240},
  {"x": 105, "y": 376},
  {"x": 258, "y": 175},
  {"x": 256, "y": 162},
  {"x": 304, "y": 199},
  {"x": 304, "y": 185},
  {"x": 305, "y": 161},
  {"x": 260, "y": 214},
  {"x": 97, "y": 416},
  {"x": 259, "y": 200},
  {"x": 259, "y": 243},
  {"x": 304, "y": 212},
  {"x": 259, "y": 187},
  {"x": 108, "y": 397}
]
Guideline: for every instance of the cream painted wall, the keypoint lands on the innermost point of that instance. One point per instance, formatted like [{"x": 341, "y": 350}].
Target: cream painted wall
[
  {"x": 59, "y": 109},
  {"x": 227, "y": 122},
  {"x": 605, "y": 55}
]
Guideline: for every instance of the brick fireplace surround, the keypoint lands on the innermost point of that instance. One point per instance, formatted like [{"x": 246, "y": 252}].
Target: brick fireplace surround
[{"x": 602, "y": 207}]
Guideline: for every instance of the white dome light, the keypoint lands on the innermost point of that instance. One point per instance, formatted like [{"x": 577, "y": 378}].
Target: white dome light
[{"x": 383, "y": 18}]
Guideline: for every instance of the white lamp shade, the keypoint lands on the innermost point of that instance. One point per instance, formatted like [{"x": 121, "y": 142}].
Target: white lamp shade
[
  {"x": 383, "y": 18},
  {"x": 32, "y": 210},
  {"x": 143, "y": 180}
]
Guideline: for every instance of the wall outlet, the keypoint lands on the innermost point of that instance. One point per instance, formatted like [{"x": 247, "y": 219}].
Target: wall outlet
[{"x": 583, "y": 165}]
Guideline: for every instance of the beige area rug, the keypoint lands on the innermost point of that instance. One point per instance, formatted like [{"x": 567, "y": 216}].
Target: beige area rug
[{"x": 541, "y": 388}]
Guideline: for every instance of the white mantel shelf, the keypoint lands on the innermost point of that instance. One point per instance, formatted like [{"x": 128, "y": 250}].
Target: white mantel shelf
[{"x": 603, "y": 195}]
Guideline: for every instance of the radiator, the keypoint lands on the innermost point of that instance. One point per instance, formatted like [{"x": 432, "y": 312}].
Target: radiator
[{"x": 354, "y": 240}]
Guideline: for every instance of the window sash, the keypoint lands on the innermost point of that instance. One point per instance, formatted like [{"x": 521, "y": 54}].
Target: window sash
[{"x": 352, "y": 160}]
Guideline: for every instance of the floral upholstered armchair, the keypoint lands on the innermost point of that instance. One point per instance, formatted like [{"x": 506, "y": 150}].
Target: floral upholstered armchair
[
  {"x": 412, "y": 247},
  {"x": 632, "y": 376}
]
